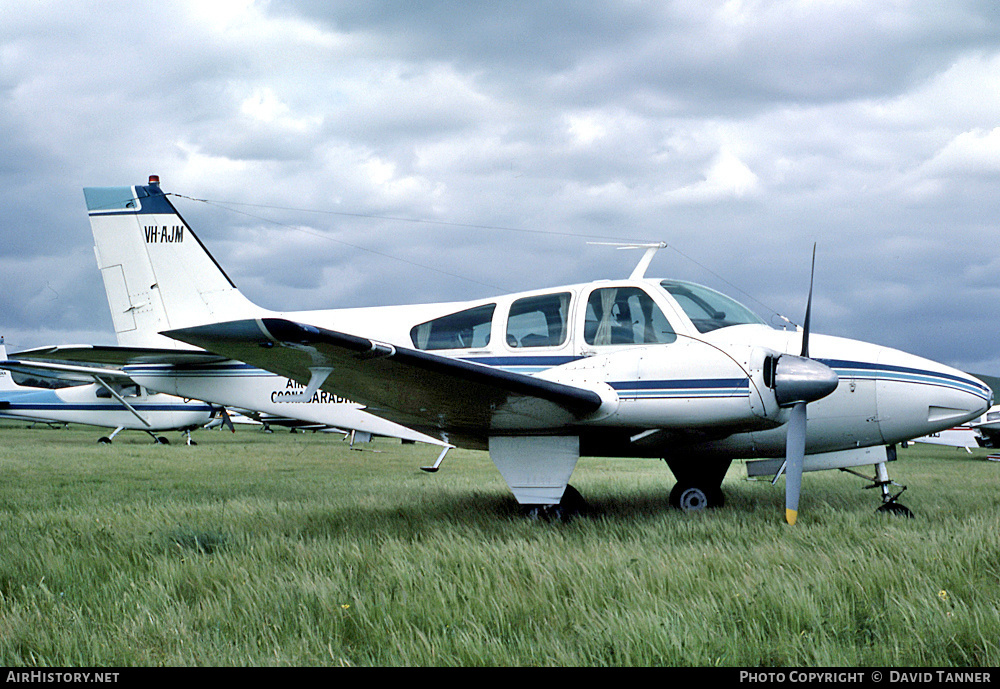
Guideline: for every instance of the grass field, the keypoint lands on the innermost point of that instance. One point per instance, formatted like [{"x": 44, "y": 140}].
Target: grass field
[{"x": 292, "y": 549}]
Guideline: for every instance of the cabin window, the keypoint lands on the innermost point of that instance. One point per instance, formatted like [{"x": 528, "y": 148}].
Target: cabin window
[
  {"x": 625, "y": 315},
  {"x": 539, "y": 321},
  {"x": 124, "y": 390},
  {"x": 463, "y": 330}
]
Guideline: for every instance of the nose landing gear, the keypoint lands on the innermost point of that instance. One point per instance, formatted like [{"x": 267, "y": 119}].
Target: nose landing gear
[{"x": 882, "y": 481}]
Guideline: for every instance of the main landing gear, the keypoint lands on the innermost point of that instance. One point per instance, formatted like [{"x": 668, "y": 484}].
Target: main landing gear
[
  {"x": 158, "y": 439},
  {"x": 699, "y": 486}
]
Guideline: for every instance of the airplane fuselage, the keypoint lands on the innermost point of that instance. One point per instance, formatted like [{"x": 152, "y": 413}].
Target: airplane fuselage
[{"x": 681, "y": 369}]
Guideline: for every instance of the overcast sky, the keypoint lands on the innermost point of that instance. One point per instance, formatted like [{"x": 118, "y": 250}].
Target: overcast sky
[{"x": 365, "y": 153}]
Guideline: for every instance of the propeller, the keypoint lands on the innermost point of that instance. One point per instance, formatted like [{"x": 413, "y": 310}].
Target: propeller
[
  {"x": 799, "y": 380},
  {"x": 227, "y": 420}
]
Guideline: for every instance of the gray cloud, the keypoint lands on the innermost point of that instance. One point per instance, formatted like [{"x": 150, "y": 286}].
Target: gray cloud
[{"x": 738, "y": 132}]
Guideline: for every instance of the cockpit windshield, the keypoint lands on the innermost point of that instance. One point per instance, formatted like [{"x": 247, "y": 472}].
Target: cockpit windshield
[{"x": 709, "y": 310}]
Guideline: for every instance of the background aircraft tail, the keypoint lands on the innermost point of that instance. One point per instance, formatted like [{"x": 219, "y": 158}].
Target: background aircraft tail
[
  {"x": 6, "y": 382},
  {"x": 157, "y": 274}
]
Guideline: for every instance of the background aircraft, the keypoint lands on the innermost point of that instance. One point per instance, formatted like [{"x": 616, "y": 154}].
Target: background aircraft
[
  {"x": 104, "y": 398},
  {"x": 983, "y": 431},
  {"x": 196, "y": 374},
  {"x": 635, "y": 367}
]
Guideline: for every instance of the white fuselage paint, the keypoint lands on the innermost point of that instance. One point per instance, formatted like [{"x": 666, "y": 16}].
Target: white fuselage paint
[
  {"x": 83, "y": 404},
  {"x": 708, "y": 381}
]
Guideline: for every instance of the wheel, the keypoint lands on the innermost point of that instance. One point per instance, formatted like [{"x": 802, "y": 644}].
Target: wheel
[
  {"x": 571, "y": 505},
  {"x": 691, "y": 498},
  {"x": 896, "y": 509},
  {"x": 104, "y": 440},
  {"x": 572, "y": 502},
  {"x": 160, "y": 440}
]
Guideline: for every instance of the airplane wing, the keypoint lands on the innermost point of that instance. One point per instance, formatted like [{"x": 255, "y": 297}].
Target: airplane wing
[
  {"x": 69, "y": 373},
  {"x": 102, "y": 376},
  {"x": 408, "y": 386}
]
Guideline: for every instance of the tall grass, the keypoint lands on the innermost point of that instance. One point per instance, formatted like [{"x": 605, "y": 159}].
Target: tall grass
[{"x": 292, "y": 549}]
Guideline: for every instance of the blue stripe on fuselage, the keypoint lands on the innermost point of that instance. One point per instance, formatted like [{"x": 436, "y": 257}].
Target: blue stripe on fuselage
[{"x": 872, "y": 371}]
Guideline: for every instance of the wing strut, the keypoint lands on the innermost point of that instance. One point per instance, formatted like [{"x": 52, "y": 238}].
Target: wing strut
[{"x": 121, "y": 399}]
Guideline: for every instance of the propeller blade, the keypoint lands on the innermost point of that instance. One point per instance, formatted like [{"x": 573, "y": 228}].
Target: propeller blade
[
  {"x": 227, "y": 421},
  {"x": 813, "y": 384},
  {"x": 795, "y": 450},
  {"x": 809, "y": 303}
]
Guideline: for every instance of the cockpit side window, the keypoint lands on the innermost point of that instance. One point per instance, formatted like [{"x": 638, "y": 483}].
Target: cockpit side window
[
  {"x": 125, "y": 390},
  {"x": 709, "y": 310},
  {"x": 539, "y": 321},
  {"x": 625, "y": 315},
  {"x": 463, "y": 330}
]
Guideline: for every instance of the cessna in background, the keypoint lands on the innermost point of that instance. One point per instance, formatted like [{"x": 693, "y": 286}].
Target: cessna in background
[
  {"x": 637, "y": 367},
  {"x": 106, "y": 398}
]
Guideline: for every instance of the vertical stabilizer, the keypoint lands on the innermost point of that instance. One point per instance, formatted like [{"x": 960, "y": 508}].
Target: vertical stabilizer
[
  {"x": 6, "y": 381},
  {"x": 157, "y": 274}
]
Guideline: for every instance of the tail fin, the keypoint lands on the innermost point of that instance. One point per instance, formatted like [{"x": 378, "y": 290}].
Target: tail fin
[
  {"x": 6, "y": 382},
  {"x": 157, "y": 273}
]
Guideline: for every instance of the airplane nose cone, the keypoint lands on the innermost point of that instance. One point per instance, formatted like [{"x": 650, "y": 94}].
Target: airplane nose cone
[{"x": 917, "y": 396}]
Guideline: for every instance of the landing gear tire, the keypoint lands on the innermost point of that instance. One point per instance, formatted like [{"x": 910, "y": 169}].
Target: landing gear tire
[
  {"x": 895, "y": 509},
  {"x": 104, "y": 440},
  {"x": 160, "y": 440},
  {"x": 571, "y": 505},
  {"x": 691, "y": 498}
]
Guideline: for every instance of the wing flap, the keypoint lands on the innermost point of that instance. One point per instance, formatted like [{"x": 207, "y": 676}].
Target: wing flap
[{"x": 405, "y": 385}]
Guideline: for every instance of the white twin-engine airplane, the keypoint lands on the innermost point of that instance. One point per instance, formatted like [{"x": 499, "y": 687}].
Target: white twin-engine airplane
[
  {"x": 93, "y": 397},
  {"x": 630, "y": 368}
]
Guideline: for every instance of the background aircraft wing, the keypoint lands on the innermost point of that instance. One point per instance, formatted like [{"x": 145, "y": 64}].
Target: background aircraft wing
[
  {"x": 118, "y": 356},
  {"x": 66, "y": 373},
  {"x": 411, "y": 387}
]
